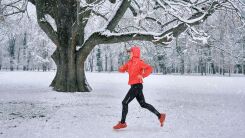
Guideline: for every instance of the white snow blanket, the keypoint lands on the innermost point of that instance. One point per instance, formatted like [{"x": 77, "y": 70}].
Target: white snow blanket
[{"x": 196, "y": 107}]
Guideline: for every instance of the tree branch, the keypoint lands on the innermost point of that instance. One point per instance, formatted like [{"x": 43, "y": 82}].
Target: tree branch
[
  {"x": 78, "y": 29},
  {"x": 32, "y": 1},
  {"x": 48, "y": 29},
  {"x": 100, "y": 15},
  {"x": 133, "y": 10},
  {"x": 44, "y": 24},
  {"x": 113, "y": 22},
  {"x": 159, "y": 23},
  {"x": 112, "y": 1},
  {"x": 166, "y": 37},
  {"x": 15, "y": 9}
]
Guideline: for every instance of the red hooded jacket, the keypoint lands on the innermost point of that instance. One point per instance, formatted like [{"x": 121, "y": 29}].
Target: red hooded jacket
[{"x": 135, "y": 66}]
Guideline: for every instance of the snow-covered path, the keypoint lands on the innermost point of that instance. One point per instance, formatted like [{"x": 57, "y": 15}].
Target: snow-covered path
[{"x": 196, "y": 107}]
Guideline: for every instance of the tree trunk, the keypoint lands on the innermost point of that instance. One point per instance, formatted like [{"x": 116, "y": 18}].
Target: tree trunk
[
  {"x": 243, "y": 59},
  {"x": 106, "y": 62},
  {"x": 111, "y": 62},
  {"x": 0, "y": 55},
  {"x": 213, "y": 68},
  {"x": 70, "y": 74},
  {"x": 182, "y": 65},
  {"x": 11, "y": 64},
  {"x": 92, "y": 62}
]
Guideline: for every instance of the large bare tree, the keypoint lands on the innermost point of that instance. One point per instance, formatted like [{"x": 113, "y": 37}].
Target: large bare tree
[{"x": 173, "y": 17}]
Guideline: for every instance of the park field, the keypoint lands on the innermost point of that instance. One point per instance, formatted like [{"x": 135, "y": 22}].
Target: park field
[{"x": 196, "y": 107}]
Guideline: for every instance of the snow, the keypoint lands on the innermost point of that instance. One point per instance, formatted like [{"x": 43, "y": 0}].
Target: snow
[
  {"x": 51, "y": 21},
  {"x": 196, "y": 107},
  {"x": 168, "y": 36},
  {"x": 109, "y": 33},
  {"x": 203, "y": 39},
  {"x": 174, "y": 11},
  {"x": 201, "y": 35},
  {"x": 47, "y": 18},
  {"x": 191, "y": 21}
]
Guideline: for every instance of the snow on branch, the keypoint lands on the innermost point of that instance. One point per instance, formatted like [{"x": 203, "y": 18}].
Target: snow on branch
[
  {"x": 168, "y": 37},
  {"x": 105, "y": 35},
  {"x": 238, "y": 10},
  {"x": 116, "y": 17},
  {"x": 170, "y": 7},
  {"x": 14, "y": 7},
  {"x": 100, "y": 15},
  {"x": 48, "y": 29},
  {"x": 50, "y": 20},
  {"x": 109, "y": 34},
  {"x": 198, "y": 35},
  {"x": 44, "y": 21},
  {"x": 201, "y": 11}
]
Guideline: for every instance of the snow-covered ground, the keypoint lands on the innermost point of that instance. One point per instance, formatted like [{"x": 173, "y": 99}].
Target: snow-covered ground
[{"x": 196, "y": 107}]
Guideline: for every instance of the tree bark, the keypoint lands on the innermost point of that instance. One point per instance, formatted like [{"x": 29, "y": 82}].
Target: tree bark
[{"x": 70, "y": 75}]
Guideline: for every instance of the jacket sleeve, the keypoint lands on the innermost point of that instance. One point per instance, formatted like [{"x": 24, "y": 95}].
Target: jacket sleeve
[
  {"x": 147, "y": 69},
  {"x": 123, "y": 68}
]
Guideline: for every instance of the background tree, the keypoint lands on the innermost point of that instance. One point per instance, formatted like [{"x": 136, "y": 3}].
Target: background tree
[
  {"x": 11, "y": 50},
  {"x": 99, "y": 60}
]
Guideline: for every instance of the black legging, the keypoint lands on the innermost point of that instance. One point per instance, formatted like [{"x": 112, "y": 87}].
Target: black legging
[{"x": 136, "y": 91}]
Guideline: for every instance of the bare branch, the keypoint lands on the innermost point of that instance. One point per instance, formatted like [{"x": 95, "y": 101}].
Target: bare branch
[
  {"x": 16, "y": 12},
  {"x": 190, "y": 20},
  {"x": 113, "y": 22},
  {"x": 32, "y": 1},
  {"x": 238, "y": 11},
  {"x": 10, "y": 4},
  {"x": 15, "y": 9},
  {"x": 133, "y": 10},
  {"x": 44, "y": 24},
  {"x": 100, "y": 15},
  {"x": 106, "y": 37},
  {"x": 112, "y": 1},
  {"x": 48, "y": 29},
  {"x": 159, "y": 23}
]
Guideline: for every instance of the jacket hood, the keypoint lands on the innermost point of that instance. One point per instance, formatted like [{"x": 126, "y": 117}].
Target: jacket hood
[{"x": 136, "y": 52}]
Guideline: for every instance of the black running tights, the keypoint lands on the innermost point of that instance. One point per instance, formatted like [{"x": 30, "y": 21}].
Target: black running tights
[{"x": 136, "y": 91}]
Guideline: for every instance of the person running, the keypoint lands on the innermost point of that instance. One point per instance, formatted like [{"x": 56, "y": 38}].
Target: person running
[{"x": 137, "y": 70}]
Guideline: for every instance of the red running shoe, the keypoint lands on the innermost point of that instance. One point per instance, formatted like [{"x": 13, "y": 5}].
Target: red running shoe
[
  {"x": 162, "y": 119},
  {"x": 120, "y": 125}
]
